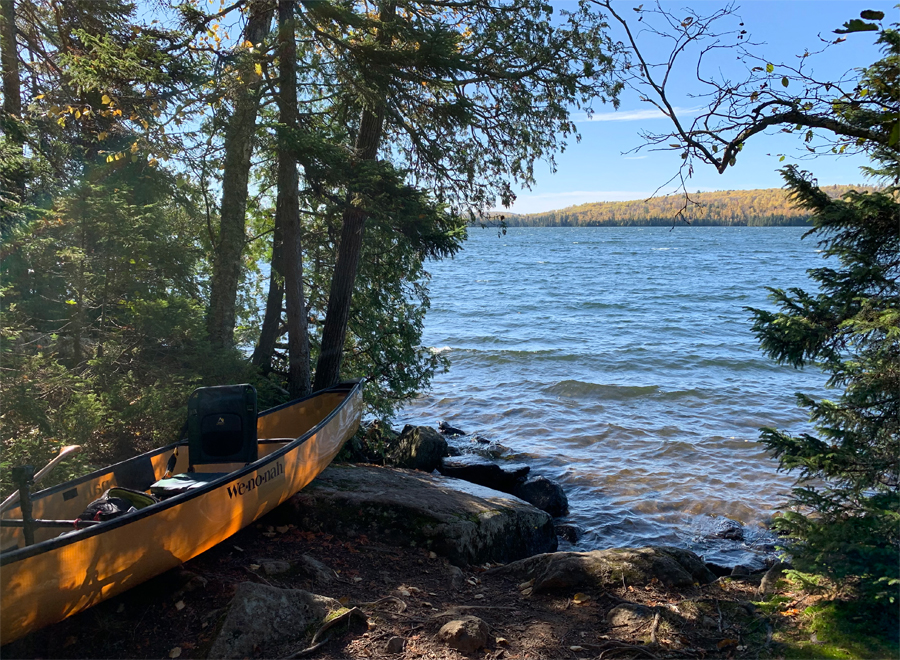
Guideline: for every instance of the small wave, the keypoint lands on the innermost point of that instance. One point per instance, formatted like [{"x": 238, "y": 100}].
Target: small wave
[
  {"x": 437, "y": 351},
  {"x": 577, "y": 389}
]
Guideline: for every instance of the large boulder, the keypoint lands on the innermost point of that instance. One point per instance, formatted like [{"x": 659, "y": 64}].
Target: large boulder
[
  {"x": 466, "y": 523},
  {"x": 418, "y": 448},
  {"x": 604, "y": 569},
  {"x": 544, "y": 494},
  {"x": 484, "y": 472},
  {"x": 270, "y": 621}
]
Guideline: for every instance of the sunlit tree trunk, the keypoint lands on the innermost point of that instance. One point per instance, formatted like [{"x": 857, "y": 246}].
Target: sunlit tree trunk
[{"x": 235, "y": 177}]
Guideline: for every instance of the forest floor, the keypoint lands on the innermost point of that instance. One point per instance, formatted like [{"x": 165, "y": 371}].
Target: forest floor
[{"x": 409, "y": 593}]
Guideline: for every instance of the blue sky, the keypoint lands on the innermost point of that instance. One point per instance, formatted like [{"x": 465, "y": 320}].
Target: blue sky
[{"x": 600, "y": 169}]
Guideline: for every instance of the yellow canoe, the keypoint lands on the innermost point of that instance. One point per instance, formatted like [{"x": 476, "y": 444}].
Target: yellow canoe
[{"x": 61, "y": 575}]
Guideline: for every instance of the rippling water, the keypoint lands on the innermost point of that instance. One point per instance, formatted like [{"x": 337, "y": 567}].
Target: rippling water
[{"x": 620, "y": 362}]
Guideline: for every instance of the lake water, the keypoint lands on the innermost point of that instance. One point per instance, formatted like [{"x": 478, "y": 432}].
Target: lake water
[{"x": 620, "y": 363}]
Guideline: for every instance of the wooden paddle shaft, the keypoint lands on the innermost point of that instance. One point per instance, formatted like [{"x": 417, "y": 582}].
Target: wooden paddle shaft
[{"x": 63, "y": 453}]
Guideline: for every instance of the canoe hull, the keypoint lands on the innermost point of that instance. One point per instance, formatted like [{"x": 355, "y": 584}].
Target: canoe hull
[{"x": 45, "y": 587}]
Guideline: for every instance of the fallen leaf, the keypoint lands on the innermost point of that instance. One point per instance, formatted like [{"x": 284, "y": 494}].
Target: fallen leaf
[
  {"x": 174, "y": 653},
  {"x": 580, "y": 598},
  {"x": 526, "y": 585},
  {"x": 254, "y": 567},
  {"x": 576, "y": 648},
  {"x": 283, "y": 529},
  {"x": 479, "y": 596},
  {"x": 179, "y": 606},
  {"x": 726, "y": 642},
  {"x": 357, "y": 579}
]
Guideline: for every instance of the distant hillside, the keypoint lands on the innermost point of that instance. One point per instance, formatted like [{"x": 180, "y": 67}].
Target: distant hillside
[{"x": 747, "y": 208}]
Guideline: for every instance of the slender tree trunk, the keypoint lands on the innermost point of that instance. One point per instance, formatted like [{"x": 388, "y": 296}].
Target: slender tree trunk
[
  {"x": 268, "y": 335},
  {"x": 12, "y": 93},
  {"x": 235, "y": 177},
  {"x": 288, "y": 205},
  {"x": 334, "y": 330}
]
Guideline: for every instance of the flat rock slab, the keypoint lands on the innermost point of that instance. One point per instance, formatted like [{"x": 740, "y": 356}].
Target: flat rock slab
[
  {"x": 268, "y": 620},
  {"x": 603, "y": 569},
  {"x": 466, "y": 523}
]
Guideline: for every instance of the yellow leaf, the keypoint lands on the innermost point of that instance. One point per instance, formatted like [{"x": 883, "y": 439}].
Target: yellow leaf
[
  {"x": 247, "y": 44},
  {"x": 78, "y": 114},
  {"x": 258, "y": 69},
  {"x": 134, "y": 147},
  {"x": 580, "y": 598},
  {"x": 103, "y": 135},
  {"x": 38, "y": 97},
  {"x": 152, "y": 162},
  {"x": 109, "y": 159},
  {"x": 105, "y": 100}
]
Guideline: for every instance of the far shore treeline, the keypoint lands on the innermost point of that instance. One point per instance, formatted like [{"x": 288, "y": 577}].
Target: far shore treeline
[{"x": 769, "y": 207}]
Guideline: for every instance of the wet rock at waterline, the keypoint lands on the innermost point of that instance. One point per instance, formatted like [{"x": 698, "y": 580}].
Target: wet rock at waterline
[
  {"x": 484, "y": 472},
  {"x": 418, "y": 448},
  {"x": 267, "y": 620},
  {"x": 446, "y": 429},
  {"x": 569, "y": 532},
  {"x": 544, "y": 494},
  {"x": 728, "y": 529},
  {"x": 466, "y": 523},
  {"x": 604, "y": 569}
]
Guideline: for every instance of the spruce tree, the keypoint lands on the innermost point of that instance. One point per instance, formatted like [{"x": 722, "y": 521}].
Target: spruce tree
[{"x": 845, "y": 522}]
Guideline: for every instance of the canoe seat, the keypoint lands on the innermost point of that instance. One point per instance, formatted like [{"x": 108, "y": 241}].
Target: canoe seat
[
  {"x": 181, "y": 483},
  {"x": 222, "y": 425}
]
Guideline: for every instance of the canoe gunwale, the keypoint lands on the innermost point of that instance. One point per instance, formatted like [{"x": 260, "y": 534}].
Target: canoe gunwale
[{"x": 13, "y": 556}]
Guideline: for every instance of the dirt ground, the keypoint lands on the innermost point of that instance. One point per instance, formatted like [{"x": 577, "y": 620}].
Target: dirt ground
[{"x": 408, "y": 593}]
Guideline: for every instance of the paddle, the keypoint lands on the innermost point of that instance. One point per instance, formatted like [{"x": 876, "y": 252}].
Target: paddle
[{"x": 68, "y": 450}]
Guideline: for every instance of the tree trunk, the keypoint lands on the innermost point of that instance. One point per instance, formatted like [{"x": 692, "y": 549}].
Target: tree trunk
[
  {"x": 334, "y": 330},
  {"x": 12, "y": 93},
  {"x": 268, "y": 335},
  {"x": 288, "y": 205},
  {"x": 235, "y": 176}
]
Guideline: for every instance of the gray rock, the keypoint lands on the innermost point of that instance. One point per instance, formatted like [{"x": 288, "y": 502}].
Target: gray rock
[
  {"x": 466, "y": 523},
  {"x": 314, "y": 569},
  {"x": 544, "y": 494},
  {"x": 268, "y": 619},
  {"x": 483, "y": 471},
  {"x": 604, "y": 569},
  {"x": 274, "y": 566},
  {"x": 767, "y": 586},
  {"x": 467, "y": 634},
  {"x": 395, "y": 645},
  {"x": 457, "y": 577},
  {"x": 629, "y": 614},
  {"x": 418, "y": 448},
  {"x": 740, "y": 570}
]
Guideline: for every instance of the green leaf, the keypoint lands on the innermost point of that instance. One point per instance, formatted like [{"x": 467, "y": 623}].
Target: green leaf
[
  {"x": 781, "y": 159},
  {"x": 871, "y": 14},
  {"x": 785, "y": 82}
]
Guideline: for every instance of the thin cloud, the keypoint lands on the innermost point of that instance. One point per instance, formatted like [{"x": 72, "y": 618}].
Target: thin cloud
[{"x": 637, "y": 115}]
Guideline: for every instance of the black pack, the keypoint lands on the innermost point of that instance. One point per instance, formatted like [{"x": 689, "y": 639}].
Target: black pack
[{"x": 116, "y": 502}]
